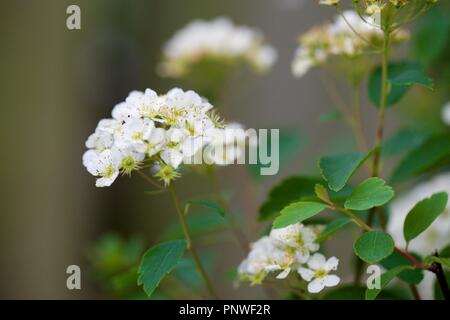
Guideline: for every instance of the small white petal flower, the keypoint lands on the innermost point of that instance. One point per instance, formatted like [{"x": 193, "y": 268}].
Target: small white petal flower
[
  {"x": 317, "y": 273},
  {"x": 103, "y": 165}
]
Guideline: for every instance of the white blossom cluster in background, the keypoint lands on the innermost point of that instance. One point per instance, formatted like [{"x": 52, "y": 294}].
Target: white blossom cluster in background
[
  {"x": 446, "y": 113},
  {"x": 337, "y": 39},
  {"x": 434, "y": 237},
  {"x": 160, "y": 132},
  {"x": 293, "y": 248},
  {"x": 218, "y": 39}
]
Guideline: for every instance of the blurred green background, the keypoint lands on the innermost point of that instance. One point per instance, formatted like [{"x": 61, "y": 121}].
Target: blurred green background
[{"x": 55, "y": 86}]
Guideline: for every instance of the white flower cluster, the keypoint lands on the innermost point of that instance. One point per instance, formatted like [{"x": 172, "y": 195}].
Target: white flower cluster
[
  {"x": 287, "y": 249},
  {"x": 434, "y": 237},
  {"x": 161, "y": 131},
  {"x": 218, "y": 38},
  {"x": 446, "y": 113},
  {"x": 337, "y": 39}
]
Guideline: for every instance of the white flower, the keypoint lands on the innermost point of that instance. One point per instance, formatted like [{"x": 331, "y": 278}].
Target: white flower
[
  {"x": 163, "y": 130},
  {"x": 134, "y": 132},
  {"x": 122, "y": 111},
  {"x": 226, "y": 144},
  {"x": 283, "y": 250},
  {"x": 264, "y": 257},
  {"x": 446, "y": 113},
  {"x": 216, "y": 39},
  {"x": 317, "y": 273},
  {"x": 146, "y": 104},
  {"x": 337, "y": 39},
  {"x": 298, "y": 238},
  {"x": 103, "y": 164}
]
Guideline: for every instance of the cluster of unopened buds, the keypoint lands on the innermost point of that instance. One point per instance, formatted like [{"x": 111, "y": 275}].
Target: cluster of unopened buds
[
  {"x": 293, "y": 248},
  {"x": 159, "y": 132},
  {"x": 347, "y": 36},
  {"x": 216, "y": 39}
]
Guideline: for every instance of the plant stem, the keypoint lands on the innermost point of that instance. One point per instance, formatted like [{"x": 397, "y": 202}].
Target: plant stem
[
  {"x": 241, "y": 238},
  {"x": 381, "y": 115},
  {"x": 355, "y": 218},
  {"x": 356, "y": 123},
  {"x": 436, "y": 267},
  {"x": 189, "y": 244},
  {"x": 415, "y": 292},
  {"x": 383, "y": 98},
  {"x": 149, "y": 179}
]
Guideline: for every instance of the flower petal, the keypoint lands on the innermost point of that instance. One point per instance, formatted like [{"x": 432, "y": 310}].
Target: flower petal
[
  {"x": 331, "y": 280},
  {"x": 317, "y": 261},
  {"x": 305, "y": 273},
  {"x": 316, "y": 285}
]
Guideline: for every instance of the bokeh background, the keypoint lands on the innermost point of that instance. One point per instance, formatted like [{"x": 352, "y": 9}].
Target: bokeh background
[{"x": 56, "y": 84}]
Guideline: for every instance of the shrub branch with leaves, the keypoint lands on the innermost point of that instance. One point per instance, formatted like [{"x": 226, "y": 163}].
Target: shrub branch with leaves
[{"x": 160, "y": 131}]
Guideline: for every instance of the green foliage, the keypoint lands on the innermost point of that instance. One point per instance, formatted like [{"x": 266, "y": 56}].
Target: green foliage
[
  {"x": 290, "y": 144},
  {"x": 443, "y": 261},
  {"x": 401, "y": 77},
  {"x": 403, "y": 140},
  {"x": 199, "y": 224},
  {"x": 408, "y": 275},
  {"x": 423, "y": 214},
  {"x": 336, "y": 170},
  {"x": 287, "y": 191},
  {"x": 373, "y": 246},
  {"x": 112, "y": 254},
  {"x": 208, "y": 204},
  {"x": 426, "y": 48},
  {"x": 386, "y": 277},
  {"x": 431, "y": 154},
  {"x": 322, "y": 193},
  {"x": 298, "y": 212},
  {"x": 333, "y": 227},
  {"x": 159, "y": 261},
  {"x": 371, "y": 193}
]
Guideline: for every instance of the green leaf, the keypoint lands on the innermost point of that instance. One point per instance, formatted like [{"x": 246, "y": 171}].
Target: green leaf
[
  {"x": 386, "y": 277},
  {"x": 287, "y": 191},
  {"x": 159, "y": 261},
  {"x": 432, "y": 153},
  {"x": 423, "y": 214},
  {"x": 403, "y": 140},
  {"x": 322, "y": 193},
  {"x": 208, "y": 204},
  {"x": 441, "y": 260},
  {"x": 410, "y": 77},
  {"x": 199, "y": 224},
  {"x": 330, "y": 116},
  {"x": 290, "y": 143},
  {"x": 410, "y": 276},
  {"x": 332, "y": 228},
  {"x": 373, "y": 246},
  {"x": 400, "y": 76},
  {"x": 298, "y": 212},
  {"x": 371, "y": 193},
  {"x": 426, "y": 47},
  {"x": 336, "y": 170}
]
